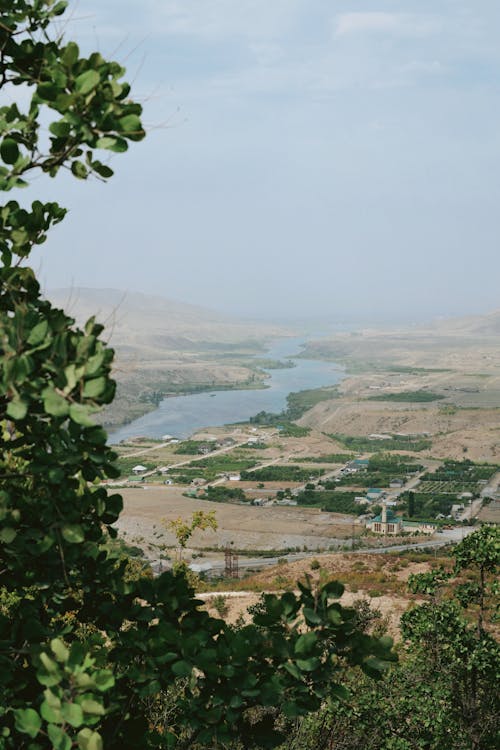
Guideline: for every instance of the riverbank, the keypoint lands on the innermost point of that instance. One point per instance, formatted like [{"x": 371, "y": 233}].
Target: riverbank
[{"x": 269, "y": 388}]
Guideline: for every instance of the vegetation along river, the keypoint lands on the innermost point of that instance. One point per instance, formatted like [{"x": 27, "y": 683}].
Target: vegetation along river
[{"x": 181, "y": 416}]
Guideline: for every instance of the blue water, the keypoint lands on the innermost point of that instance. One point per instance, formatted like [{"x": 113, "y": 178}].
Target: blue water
[{"x": 181, "y": 416}]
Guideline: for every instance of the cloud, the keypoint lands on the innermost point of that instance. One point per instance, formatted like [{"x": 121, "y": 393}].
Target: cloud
[{"x": 400, "y": 24}]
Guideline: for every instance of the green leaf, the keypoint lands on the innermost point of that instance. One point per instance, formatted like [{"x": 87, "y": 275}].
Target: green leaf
[
  {"x": 9, "y": 151},
  {"x": 130, "y": 124},
  {"x": 17, "y": 409},
  {"x": 89, "y": 740},
  {"x": 80, "y": 414},
  {"x": 293, "y": 670},
  {"x": 334, "y": 615},
  {"x": 87, "y": 81},
  {"x": 182, "y": 669},
  {"x": 7, "y": 535},
  {"x": 59, "y": 650},
  {"x": 333, "y": 589},
  {"x": 308, "y": 665},
  {"x": 60, "y": 129},
  {"x": 51, "y": 714},
  {"x": 102, "y": 169},
  {"x": 70, "y": 54},
  {"x": 89, "y": 706},
  {"x": 72, "y": 713},
  {"x": 54, "y": 403},
  {"x": 38, "y": 333},
  {"x": 305, "y": 643},
  {"x": 59, "y": 738},
  {"x": 79, "y": 170},
  {"x": 49, "y": 664},
  {"x": 340, "y": 692},
  {"x": 94, "y": 388},
  {"x": 28, "y": 721},
  {"x": 73, "y": 533},
  {"x": 104, "y": 680},
  {"x": 47, "y": 91},
  {"x": 311, "y": 617},
  {"x": 118, "y": 145}
]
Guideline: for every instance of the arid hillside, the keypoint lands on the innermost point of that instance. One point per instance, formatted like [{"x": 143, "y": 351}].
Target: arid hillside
[{"x": 166, "y": 347}]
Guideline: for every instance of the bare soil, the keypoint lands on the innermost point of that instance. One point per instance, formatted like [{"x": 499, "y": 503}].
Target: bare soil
[{"x": 247, "y": 527}]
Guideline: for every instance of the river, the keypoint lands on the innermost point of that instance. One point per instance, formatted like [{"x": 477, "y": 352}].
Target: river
[{"x": 181, "y": 416}]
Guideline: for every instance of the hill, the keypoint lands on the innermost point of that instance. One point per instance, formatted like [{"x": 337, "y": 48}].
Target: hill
[
  {"x": 165, "y": 347},
  {"x": 152, "y": 324}
]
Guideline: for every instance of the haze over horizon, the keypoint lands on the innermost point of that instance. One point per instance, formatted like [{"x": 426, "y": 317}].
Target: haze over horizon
[{"x": 303, "y": 160}]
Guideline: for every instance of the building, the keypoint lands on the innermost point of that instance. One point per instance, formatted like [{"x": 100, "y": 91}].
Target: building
[
  {"x": 139, "y": 469},
  {"x": 389, "y": 524},
  {"x": 386, "y": 523},
  {"x": 398, "y": 483}
]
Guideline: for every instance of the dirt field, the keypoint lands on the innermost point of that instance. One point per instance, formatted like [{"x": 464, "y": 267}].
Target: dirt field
[
  {"x": 247, "y": 527},
  {"x": 464, "y": 370},
  {"x": 388, "y": 573}
]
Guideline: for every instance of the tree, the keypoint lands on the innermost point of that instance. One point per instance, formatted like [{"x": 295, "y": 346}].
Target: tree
[
  {"x": 85, "y": 652},
  {"x": 183, "y": 531},
  {"x": 441, "y": 694}
]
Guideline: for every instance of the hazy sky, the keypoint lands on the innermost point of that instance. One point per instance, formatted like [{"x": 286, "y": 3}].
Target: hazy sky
[{"x": 305, "y": 157}]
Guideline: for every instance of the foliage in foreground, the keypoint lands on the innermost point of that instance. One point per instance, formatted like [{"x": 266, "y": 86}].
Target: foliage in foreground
[
  {"x": 442, "y": 693},
  {"x": 87, "y": 651}
]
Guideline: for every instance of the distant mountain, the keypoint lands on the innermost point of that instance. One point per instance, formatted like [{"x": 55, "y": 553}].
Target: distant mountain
[
  {"x": 140, "y": 322},
  {"x": 471, "y": 325}
]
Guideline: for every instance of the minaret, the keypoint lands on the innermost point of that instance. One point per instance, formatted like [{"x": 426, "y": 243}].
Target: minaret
[{"x": 383, "y": 518}]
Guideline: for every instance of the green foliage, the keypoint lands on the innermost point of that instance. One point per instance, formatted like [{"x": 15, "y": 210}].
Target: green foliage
[
  {"x": 221, "y": 494},
  {"x": 276, "y": 473},
  {"x": 439, "y": 696},
  {"x": 364, "y": 444},
  {"x": 408, "y": 396},
  {"x": 331, "y": 458},
  {"x": 332, "y": 501},
  {"x": 183, "y": 530},
  {"x": 462, "y": 472},
  {"x": 422, "y": 506},
  {"x": 300, "y": 402}
]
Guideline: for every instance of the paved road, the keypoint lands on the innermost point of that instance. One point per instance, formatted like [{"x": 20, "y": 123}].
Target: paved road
[{"x": 448, "y": 536}]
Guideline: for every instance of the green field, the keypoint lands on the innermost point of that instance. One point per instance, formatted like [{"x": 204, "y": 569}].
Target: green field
[
  {"x": 364, "y": 444},
  {"x": 408, "y": 396}
]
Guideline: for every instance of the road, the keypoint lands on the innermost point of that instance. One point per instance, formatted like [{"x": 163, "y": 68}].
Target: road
[{"x": 448, "y": 536}]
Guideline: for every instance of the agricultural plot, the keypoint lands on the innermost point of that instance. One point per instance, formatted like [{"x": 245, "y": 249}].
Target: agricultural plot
[
  {"x": 276, "y": 473},
  {"x": 331, "y": 501},
  {"x": 461, "y": 471},
  {"x": 446, "y": 488}
]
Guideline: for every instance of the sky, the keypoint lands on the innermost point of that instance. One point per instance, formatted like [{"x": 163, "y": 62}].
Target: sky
[{"x": 304, "y": 158}]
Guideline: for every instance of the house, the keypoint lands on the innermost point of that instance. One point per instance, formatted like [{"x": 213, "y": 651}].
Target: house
[
  {"x": 419, "y": 527},
  {"x": 396, "y": 483},
  {"x": 139, "y": 469},
  {"x": 373, "y": 493},
  {"x": 198, "y": 481},
  {"x": 359, "y": 463},
  {"x": 361, "y": 500},
  {"x": 234, "y": 477}
]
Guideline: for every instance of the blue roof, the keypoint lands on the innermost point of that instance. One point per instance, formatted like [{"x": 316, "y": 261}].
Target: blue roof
[{"x": 391, "y": 517}]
